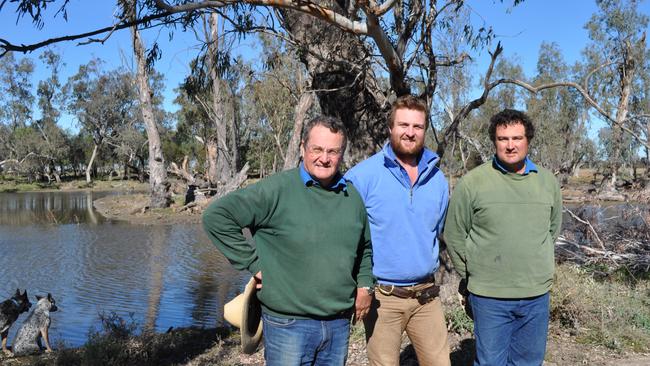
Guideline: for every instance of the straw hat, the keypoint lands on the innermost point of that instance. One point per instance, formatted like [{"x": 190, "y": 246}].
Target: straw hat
[{"x": 245, "y": 313}]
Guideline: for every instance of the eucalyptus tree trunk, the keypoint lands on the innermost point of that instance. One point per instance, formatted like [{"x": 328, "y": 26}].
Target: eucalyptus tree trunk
[
  {"x": 234, "y": 138},
  {"x": 626, "y": 77},
  {"x": 89, "y": 167},
  {"x": 292, "y": 154},
  {"x": 158, "y": 183},
  {"x": 223, "y": 170},
  {"x": 211, "y": 157},
  {"x": 344, "y": 83}
]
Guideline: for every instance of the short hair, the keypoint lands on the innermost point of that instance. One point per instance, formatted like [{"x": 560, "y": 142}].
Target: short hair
[
  {"x": 509, "y": 117},
  {"x": 334, "y": 124},
  {"x": 408, "y": 102}
]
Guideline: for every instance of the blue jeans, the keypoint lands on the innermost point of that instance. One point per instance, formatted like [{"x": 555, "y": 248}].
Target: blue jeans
[
  {"x": 510, "y": 331},
  {"x": 293, "y": 342}
]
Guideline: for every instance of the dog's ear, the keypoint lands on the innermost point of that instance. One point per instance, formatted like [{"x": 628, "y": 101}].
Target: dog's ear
[
  {"x": 49, "y": 297},
  {"x": 17, "y": 292},
  {"x": 38, "y": 298},
  {"x": 25, "y": 293}
]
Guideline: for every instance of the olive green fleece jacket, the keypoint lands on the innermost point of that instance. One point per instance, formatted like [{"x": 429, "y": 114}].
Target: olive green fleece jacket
[
  {"x": 501, "y": 230},
  {"x": 311, "y": 244}
]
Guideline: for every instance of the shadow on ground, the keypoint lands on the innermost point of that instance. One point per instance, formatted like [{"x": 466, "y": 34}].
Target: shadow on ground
[
  {"x": 464, "y": 353},
  {"x": 462, "y": 356}
]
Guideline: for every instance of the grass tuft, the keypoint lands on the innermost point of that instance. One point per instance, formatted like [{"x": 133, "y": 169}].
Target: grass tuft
[{"x": 458, "y": 321}]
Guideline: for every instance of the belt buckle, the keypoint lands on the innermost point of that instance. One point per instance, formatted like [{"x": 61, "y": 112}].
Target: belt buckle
[{"x": 384, "y": 292}]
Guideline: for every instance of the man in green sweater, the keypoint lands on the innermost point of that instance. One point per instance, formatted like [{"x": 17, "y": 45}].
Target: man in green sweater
[
  {"x": 311, "y": 255},
  {"x": 503, "y": 219}
]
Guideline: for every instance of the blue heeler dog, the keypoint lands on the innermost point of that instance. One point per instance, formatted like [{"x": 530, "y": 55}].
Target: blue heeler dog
[
  {"x": 35, "y": 327},
  {"x": 9, "y": 311}
]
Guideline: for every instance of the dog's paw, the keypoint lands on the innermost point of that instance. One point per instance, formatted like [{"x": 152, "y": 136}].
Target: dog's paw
[
  {"x": 8, "y": 353},
  {"x": 48, "y": 350}
]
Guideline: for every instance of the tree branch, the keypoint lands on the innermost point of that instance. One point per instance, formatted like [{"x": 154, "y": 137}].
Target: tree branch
[
  {"x": 584, "y": 94},
  {"x": 307, "y": 7},
  {"x": 487, "y": 87},
  {"x": 6, "y": 46}
]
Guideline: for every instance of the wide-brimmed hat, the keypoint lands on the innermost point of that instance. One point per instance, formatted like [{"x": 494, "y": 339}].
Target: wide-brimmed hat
[{"x": 245, "y": 313}]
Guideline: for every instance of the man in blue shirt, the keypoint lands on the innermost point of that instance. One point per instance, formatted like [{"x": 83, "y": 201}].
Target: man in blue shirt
[{"x": 406, "y": 197}]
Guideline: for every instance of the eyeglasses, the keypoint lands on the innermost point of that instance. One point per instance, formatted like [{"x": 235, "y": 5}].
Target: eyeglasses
[{"x": 318, "y": 151}]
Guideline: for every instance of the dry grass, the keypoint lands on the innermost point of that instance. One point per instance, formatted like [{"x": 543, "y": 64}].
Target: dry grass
[{"x": 602, "y": 312}]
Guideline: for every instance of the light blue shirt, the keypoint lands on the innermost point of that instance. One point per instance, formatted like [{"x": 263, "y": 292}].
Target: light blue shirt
[
  {"x": 405, "y": 221},
  {"x": 339, "y": 183}
]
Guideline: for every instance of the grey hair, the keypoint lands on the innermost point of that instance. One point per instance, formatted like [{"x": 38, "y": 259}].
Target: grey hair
[{"x": 334, "y": 124}]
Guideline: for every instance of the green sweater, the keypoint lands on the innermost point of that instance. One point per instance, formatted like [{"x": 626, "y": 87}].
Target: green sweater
[
  {"x": 311, "y": 244},
  {"x": 501, "y": 229}
]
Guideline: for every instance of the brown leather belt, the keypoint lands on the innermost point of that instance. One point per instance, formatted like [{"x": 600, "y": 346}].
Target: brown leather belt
[
  {"x": 404, "y": 292},
  {"x": 424, "y": 292}
]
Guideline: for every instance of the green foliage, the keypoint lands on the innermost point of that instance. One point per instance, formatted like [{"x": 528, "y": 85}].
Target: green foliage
[
  {"x": 458, "y": 321},
  {"x": 606, "y": 313},
  {"x": 16, "y": 97}
]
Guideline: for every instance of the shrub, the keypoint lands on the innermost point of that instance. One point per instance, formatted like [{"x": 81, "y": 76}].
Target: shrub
[{"x": 118, "y": 343}]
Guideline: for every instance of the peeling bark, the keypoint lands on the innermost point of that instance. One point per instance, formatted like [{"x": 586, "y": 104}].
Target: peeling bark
[{"x": 159, "y": 186}]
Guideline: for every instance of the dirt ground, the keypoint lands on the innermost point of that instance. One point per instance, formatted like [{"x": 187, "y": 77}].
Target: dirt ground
[{"x": 562, "y": 350}]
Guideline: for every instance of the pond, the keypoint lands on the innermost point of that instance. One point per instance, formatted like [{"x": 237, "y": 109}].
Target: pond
[{"x": 160, "y": 276}]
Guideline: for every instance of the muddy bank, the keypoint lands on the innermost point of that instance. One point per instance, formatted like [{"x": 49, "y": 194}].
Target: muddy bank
[{"x": 134, "y": 208}]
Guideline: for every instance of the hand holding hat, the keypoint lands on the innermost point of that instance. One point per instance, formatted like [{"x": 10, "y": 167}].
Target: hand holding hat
[{"x": 245, "y": 313}]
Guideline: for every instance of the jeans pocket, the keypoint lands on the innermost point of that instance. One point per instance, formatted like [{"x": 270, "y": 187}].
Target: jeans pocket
[{"x": 277, "y": 321}]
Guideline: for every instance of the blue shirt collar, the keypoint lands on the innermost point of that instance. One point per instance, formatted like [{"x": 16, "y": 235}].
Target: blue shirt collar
[
  {"x": 423, "y": 160},
  {"x": 530, "y": 166},
  {"x": 338, "y": 184}
]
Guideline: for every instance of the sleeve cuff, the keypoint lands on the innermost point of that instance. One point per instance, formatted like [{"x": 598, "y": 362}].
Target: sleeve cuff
[
  {"x": 254, "y": 267},
  {"x": 365, "y": 281}
]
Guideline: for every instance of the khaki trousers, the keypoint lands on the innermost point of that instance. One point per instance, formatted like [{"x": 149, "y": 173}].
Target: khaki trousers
[{"x": 425, "y": 326}]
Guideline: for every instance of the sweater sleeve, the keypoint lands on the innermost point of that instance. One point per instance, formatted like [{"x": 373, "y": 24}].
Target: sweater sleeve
[
  {"x": 556, "y": 211},
  {"x": 457, "y": 226},
  {"x": 225, "y": 218},
  {"x": 364, "y": 276}
]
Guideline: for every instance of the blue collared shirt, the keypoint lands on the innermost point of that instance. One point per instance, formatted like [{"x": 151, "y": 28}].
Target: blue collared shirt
[
  {"x": 405, "y": 219},
  {"x": 529, "y": 165},
  {"x": 307, "y": 179}
]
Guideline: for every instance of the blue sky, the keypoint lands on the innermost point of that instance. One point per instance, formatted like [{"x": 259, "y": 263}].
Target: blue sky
[
  {"x": 523, "y": 28},
  {"x": 520, "y": 29}
]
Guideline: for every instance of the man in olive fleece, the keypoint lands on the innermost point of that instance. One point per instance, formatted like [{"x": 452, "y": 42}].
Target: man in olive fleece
[
  {"x": 503, "y": 219},
  {"x": 312, "y": 255}
]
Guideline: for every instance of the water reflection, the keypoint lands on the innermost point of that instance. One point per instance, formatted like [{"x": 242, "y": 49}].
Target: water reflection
[
  {"x": 164, "y": 275},
  {"x": 49, "y": 208}
]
